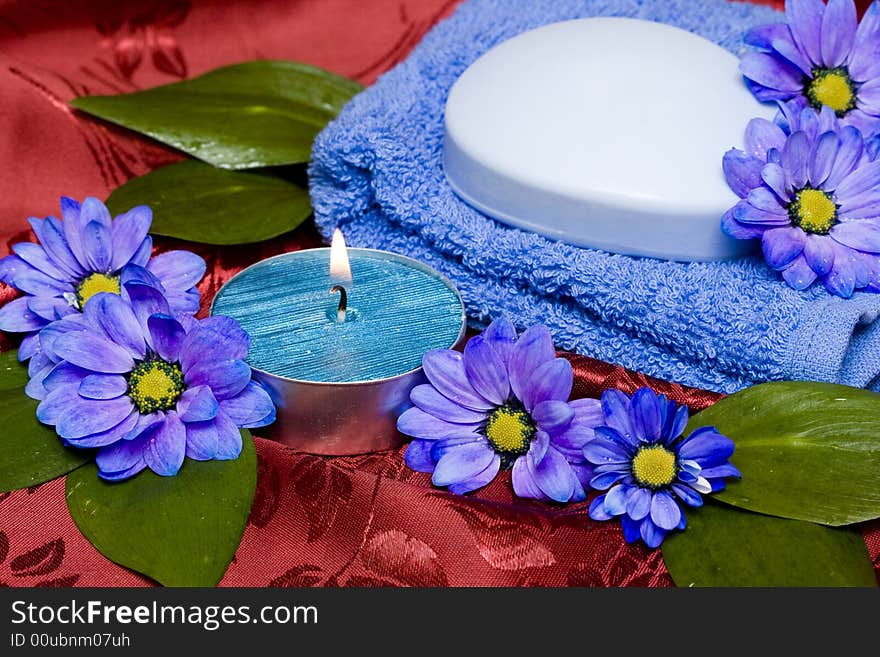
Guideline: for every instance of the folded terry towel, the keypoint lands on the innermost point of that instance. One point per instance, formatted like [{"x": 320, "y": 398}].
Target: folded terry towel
[{"x": 377, "y": 172}]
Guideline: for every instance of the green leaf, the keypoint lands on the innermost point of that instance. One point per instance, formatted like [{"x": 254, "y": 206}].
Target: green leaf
[
  {"x": 182, "y": 530},
  {"x": 808, "y": 451},
  {"x": 13, "y": 375},
  {"x": 200, "y": 203},
  {"x": 723, "y": 546},
  {"x": 256, "y": 114},
  {"x": 30, "y": 453}
]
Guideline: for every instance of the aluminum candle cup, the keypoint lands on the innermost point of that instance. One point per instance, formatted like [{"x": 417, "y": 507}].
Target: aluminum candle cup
[{"x": 341, "y": 377}]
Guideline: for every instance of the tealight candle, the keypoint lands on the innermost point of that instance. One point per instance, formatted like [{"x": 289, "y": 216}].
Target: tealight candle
[{"x": 337, "y": 336}]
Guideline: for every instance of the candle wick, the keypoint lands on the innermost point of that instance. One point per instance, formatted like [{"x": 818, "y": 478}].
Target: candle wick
[{"x": 343, "y": 302}]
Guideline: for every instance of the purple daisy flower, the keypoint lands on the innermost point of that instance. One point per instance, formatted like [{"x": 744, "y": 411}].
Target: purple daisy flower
[
  {"x": 502, "y": 404},
  {"x": 644, "y": 464},
  {"x": 148, "y": 389},
  {"x": 87, "y": 253},
  {"x": 822, "y": 57},
  {"x": 813, "y": 198}
]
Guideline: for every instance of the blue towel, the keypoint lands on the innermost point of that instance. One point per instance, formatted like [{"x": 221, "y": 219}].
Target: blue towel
[{"x": 377, "y": 173}]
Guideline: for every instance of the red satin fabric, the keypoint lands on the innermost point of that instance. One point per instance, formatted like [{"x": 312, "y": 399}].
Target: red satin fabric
[{"x": 353, "y": 521}]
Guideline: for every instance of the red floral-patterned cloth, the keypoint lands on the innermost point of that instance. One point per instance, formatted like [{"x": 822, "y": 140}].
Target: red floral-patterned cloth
[{"x": 356, "y": 521}]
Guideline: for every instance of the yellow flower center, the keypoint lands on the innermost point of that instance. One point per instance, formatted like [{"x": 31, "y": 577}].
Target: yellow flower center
[
  {"x": 832, "y": 87},
  {"x": 510, "y": 430},
  {"x": 813, "y": 211},
  {"x": 155, "y": 385},
  {"x": 654, "y": 466},
  {"x": 94, "y": 283}
]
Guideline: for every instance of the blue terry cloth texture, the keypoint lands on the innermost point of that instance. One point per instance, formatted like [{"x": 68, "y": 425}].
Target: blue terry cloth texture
[{"x": 377, "y": 172}]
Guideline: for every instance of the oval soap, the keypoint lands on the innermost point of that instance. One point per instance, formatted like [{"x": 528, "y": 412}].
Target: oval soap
[{"x": 603, "y": 132}]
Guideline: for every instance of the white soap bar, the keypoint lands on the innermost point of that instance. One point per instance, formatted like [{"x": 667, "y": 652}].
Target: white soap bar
[{"x": 603, "y": 132}]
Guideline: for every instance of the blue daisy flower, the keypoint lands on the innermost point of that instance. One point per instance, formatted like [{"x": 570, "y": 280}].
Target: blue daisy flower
[
  {"x": 86, "y": 253},
  {"x": 822, "y": 57},
  {"x": 813, "y": 199},
  {"x": 647, "y": 468},
  {"x": 147, "y": 389},
  {"x": 503, "y": 404}
]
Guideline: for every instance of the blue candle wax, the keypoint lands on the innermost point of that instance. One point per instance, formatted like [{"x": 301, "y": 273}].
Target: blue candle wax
[{"x": 397, "y": 310}]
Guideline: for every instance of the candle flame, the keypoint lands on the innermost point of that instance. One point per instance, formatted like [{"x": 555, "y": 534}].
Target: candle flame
[{"x": 340, "y": 269}]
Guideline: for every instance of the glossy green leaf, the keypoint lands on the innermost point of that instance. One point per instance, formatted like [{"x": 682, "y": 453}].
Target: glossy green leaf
[
  {"x": 808, "y": 451},
  {"x": 256, "y": 114},
  {"x": 197, "y": 202},
  {"x": 13, "y": 375},
  {"x": 723, "y": 546},
  {"x": 182, "y": 530},
  {"x": 30, "y": 453}
]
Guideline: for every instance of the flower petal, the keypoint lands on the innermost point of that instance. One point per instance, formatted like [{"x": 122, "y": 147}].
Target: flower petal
[
  {"x": 822, "y": 158},
  {"x": 212, "y": 339},
  {"x": 819, "y": 254},
  {"x": 418, "y": 456},
  {"x": 804, "y": 19},
  {"x": 723, "y": 470},
  {"x": 478, "y": 480},
  {"x": 848, "y": 157},
  {"x": 461, "y": 462},
  {"x": 553, "y": 416},
  {"x": 145, "y": 300},
  {"x": 795, "y": 160},
  {"x": 103, "y": 386},
  {"x": 774, "y": 176},
  {"x": 202, "y": 439},
  {"x": 615, "y": 405},
  {"x": 533, "y": 349},
  {"x": 166, "y": 446},
  {"x": 501, "y": 334},
  {"x": 771, "y": 72},
  {"x": 863, "y": 235},
  {"x": 524, "y": 484},
  {"x": 798, "y": 275},
  {"x": 706, "y": 446},
  {"x": 36, "y": 257},
  {"x": 665, "y": 512},
  {"x": 644, "y": 415},
  {"x": 638, "y": 502},
  {"x": 605, "y": 479},
  {"x": 127, "y": 233},
  {"x": 94, "y": 353},
  {"x": 178, "y": 270},
  {"x": 51, "y": 235},
  {"x": 761, "y": 135},
  {"x": 782, "y": 245},
  {"x": 863, "y": 179},
  {"x": 229, "y": 443},
  {"x": 37, "y": 283},
  {"x": 108, "y": 437},
  {"x": 446, "y": 372},
  {"x": 764, "y": 199},
  {"x": 741, "y": 171},
  {"x": 226, "y": 378},
  {"x": 615, "y": 500},
  {"x": 250, "y": 408},
  {"x": 17, "y": 317},
  {"x": 552, "y": 475},
  {"x": 417, "y": 423},
  {"x": 167, "y": 336},
  {"x": 688, "y": 495},
  {"x": 597, "y": 509},
  {"x": 429, "y": 400},
  {"x": 88, "y": 416},
  {"x": 762, "y": 36},
  {"x": 118, "y": 321},
  {"x": 73, "y": 224},
  {"x": 864, "y": 61},
  {"x": 98, "y": 245},
  {"x": 121, "y": 455},
  {"x": 486, "y": 370},
  {"x": 197, "y": 405},
  {"x": 552, "y": 380},
  {"x": 651, "y": 534},
  {"x": 841, "y": 280},
  {"x": 838, "y": 31}
]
